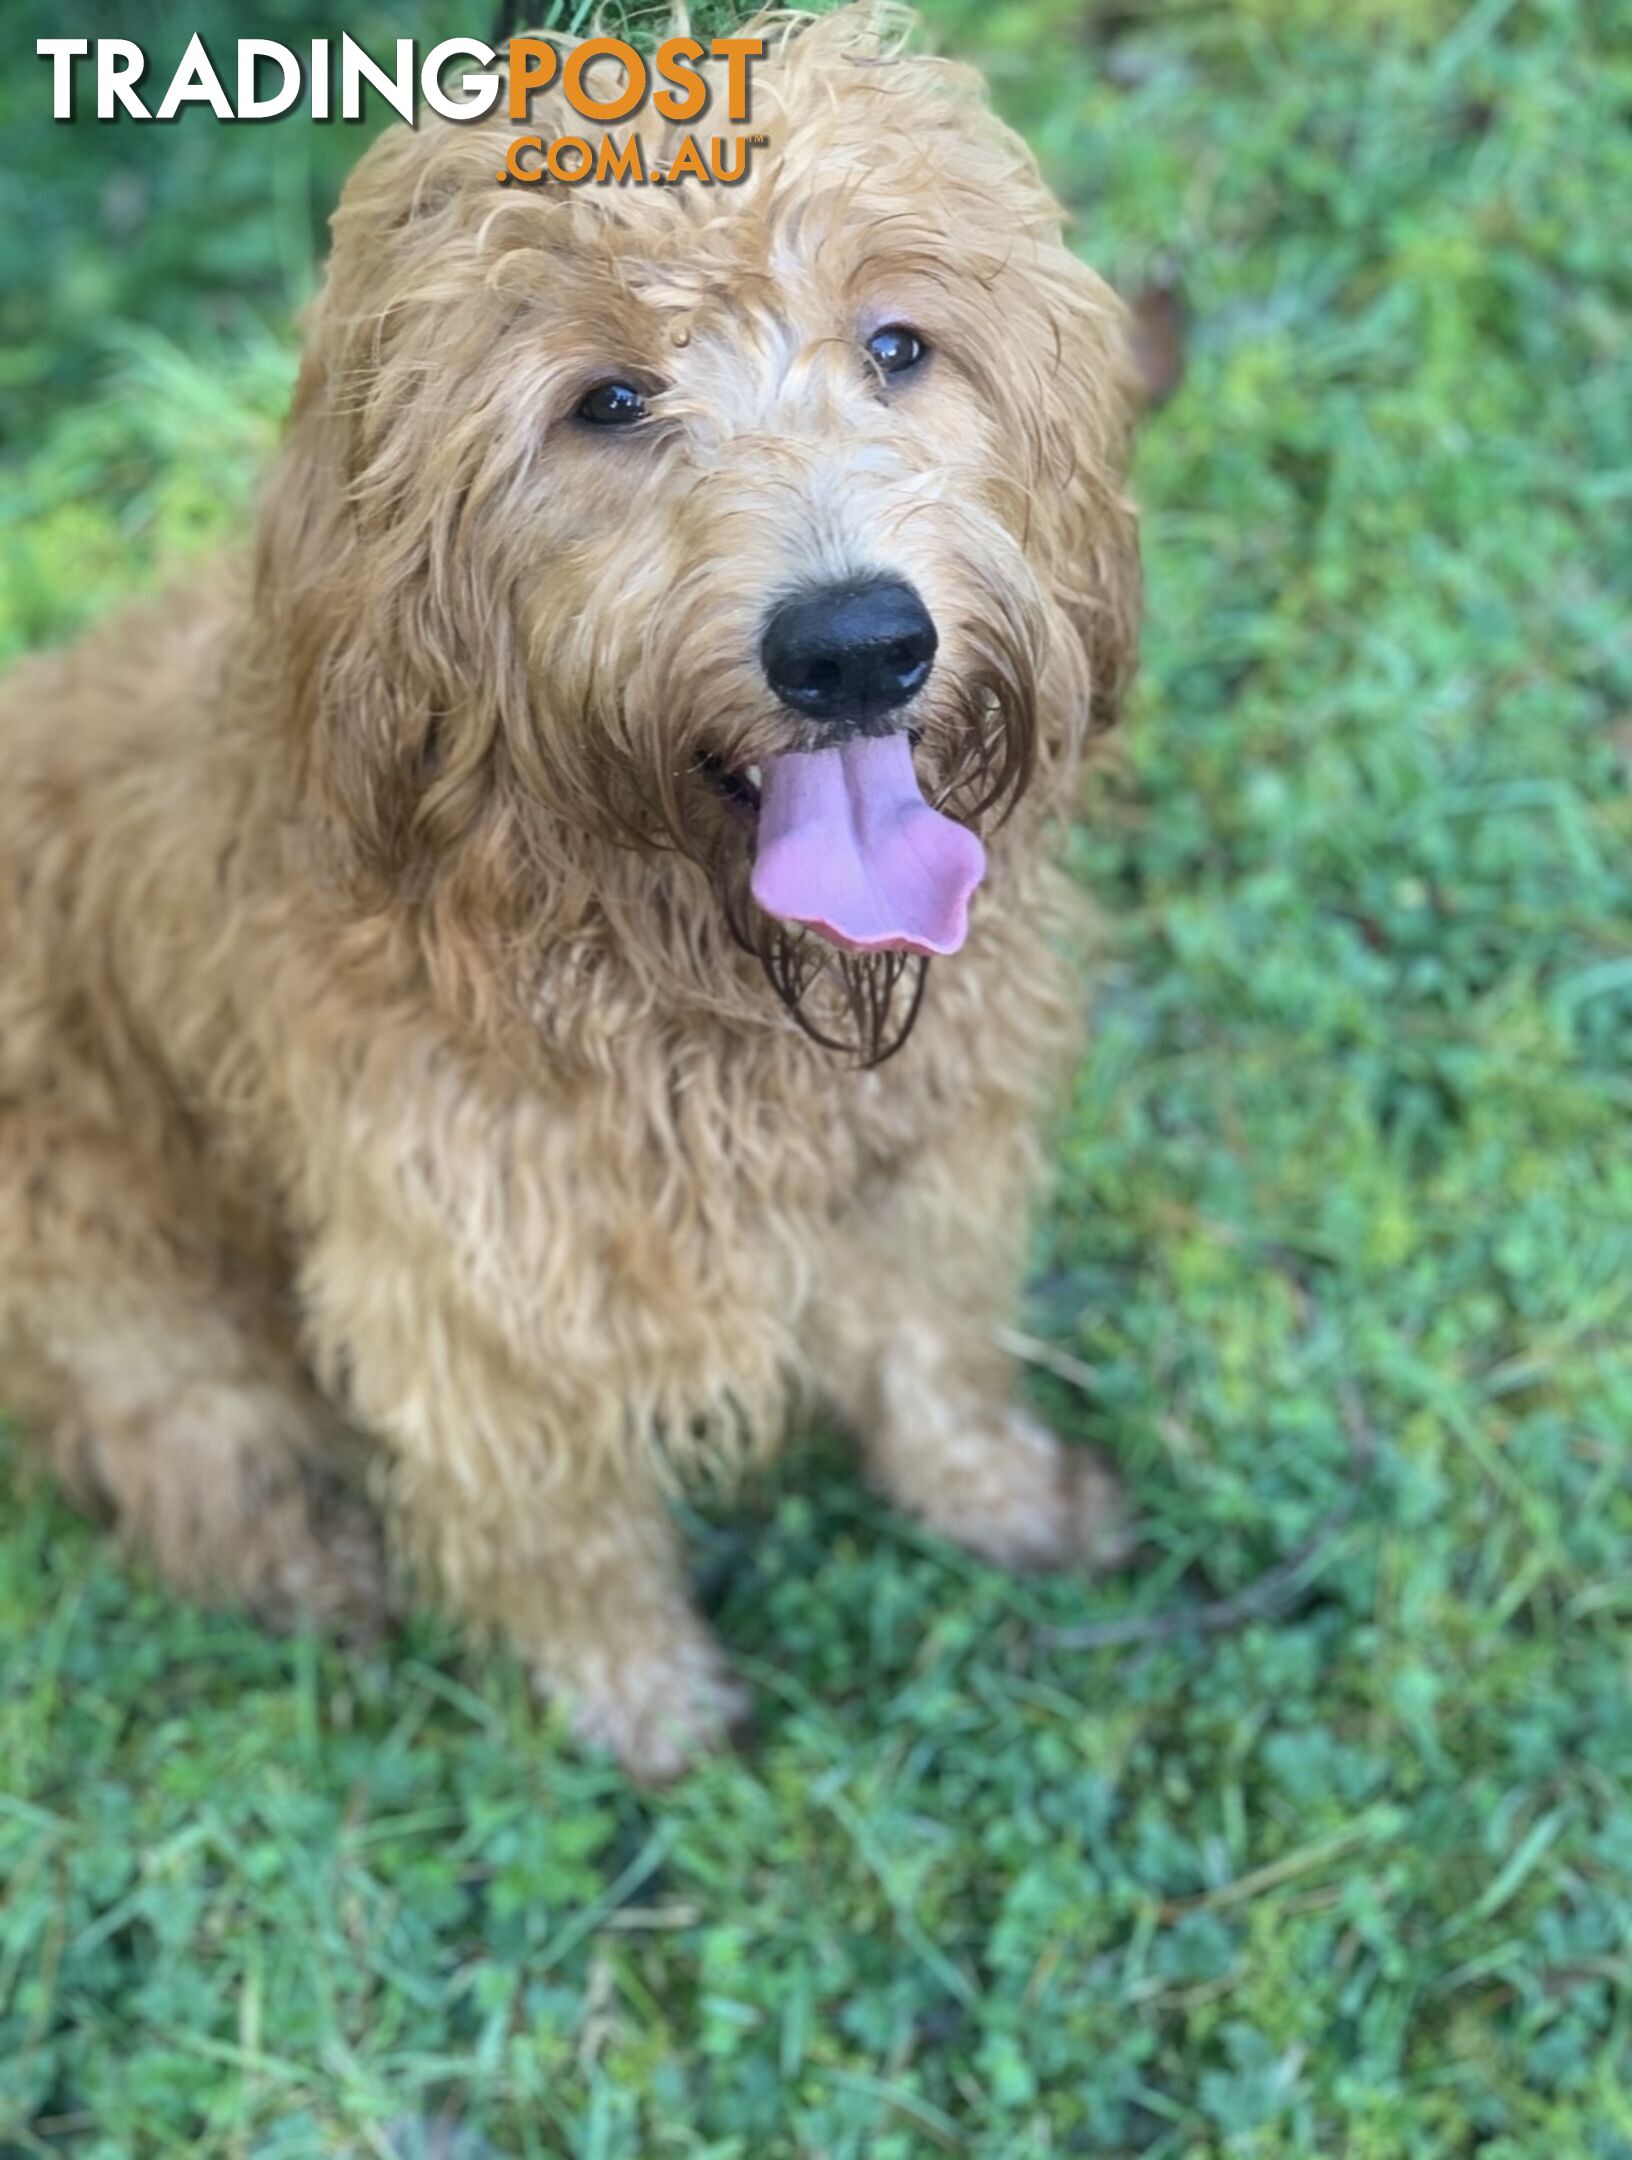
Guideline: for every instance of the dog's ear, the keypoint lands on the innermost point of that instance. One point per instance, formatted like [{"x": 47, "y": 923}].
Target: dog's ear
[
  {"x": 350, "y": 607},
  {"x": 1092, "y": 556},
  {"x": 354, "y": 731},
  {"x": 1044, "y": 338},
  {"x": 374, "y": 608}
]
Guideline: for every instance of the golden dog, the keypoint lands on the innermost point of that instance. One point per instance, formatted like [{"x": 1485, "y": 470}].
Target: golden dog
[{"x": 465, "y": 1001}]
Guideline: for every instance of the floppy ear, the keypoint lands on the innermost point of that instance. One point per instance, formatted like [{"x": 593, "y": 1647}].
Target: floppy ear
[
  {"x": 1091, "y": 559},
  {"x": 360, "y": 731},
  {"x": 368, "y": 604}
]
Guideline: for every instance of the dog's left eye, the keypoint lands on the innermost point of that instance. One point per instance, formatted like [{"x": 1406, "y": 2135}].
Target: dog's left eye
[
  {"x": 895, "y": 348},
  {"x": 613, "y": 404}
]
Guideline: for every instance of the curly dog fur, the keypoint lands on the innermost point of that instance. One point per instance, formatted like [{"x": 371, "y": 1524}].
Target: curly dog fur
[{"x": 392, "y": 1069}]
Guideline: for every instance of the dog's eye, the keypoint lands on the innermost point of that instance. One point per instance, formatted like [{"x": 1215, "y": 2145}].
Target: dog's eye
[
  {"x": 895, "y": 348},
  {"x": 613, "y": 404}
]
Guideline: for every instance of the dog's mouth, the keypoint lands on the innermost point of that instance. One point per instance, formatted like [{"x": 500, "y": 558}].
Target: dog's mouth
[
  {"x": 740, "y": 789},
  {"x": 846, "y": 845}
]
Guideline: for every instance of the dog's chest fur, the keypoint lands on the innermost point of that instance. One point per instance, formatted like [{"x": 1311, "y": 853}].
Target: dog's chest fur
[{"x": 645, "y": 1182}]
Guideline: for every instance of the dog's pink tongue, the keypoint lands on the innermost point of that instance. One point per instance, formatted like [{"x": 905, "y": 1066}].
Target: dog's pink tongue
[{"x": 849, "y": 847}]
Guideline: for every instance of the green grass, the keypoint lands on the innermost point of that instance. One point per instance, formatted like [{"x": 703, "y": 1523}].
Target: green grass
[{"x": 1353, "y": 1135}]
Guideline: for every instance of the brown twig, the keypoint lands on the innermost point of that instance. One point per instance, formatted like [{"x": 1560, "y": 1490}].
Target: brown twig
[
  {"x": 1032, "y": 1350},
  {"x": 1271, "y": 1596}
]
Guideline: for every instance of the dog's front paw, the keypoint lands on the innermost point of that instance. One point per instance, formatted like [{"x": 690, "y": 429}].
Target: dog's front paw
[
  {"x": 1015, "y": 1494},
  {"x": 658, "y": 1711}
]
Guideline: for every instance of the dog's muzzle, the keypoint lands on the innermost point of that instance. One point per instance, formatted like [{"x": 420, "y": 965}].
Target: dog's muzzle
[
  {"x": 848, "y": 656},
  {"x": 848, "y": 846}
]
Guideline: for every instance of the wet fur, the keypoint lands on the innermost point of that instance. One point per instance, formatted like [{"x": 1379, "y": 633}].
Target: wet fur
[{"x": 390, "y": 1080}]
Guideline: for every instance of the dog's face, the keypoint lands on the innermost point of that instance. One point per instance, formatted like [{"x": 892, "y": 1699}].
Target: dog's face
[{"x": 762, "y": 523}]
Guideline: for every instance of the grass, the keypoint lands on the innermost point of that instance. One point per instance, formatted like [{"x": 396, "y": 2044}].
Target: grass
[{"x": 1351, "y": 1138}]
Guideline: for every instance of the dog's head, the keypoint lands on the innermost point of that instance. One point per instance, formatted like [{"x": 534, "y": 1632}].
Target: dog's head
[{"x": 777, "y": 525}]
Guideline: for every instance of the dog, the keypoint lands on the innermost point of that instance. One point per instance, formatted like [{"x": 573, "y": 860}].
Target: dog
[{"x": 483, "y": 1028}]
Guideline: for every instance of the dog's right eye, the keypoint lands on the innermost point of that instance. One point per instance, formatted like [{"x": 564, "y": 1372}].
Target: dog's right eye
[
  {"x": 895, "y": 348},
  {"x": 613, "y": 404}
]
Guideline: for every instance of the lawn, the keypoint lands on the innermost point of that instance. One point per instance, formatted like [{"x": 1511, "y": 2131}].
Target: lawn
[{"x": 1342, "y": 1235}]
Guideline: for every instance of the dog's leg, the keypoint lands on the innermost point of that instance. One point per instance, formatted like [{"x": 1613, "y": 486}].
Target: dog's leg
[
  {"x": 521, "y": 1491},
  {"x": 907, "y": 1350},
  {"x": 582, "y": 1576},
  {"x": 161, "y": 1405}
]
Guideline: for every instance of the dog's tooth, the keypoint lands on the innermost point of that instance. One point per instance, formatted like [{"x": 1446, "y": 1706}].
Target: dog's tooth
[{"x": 753, "y": 774}]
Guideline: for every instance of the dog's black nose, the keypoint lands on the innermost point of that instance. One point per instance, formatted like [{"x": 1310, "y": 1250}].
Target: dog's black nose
[{"x": 847, "y": 653}]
